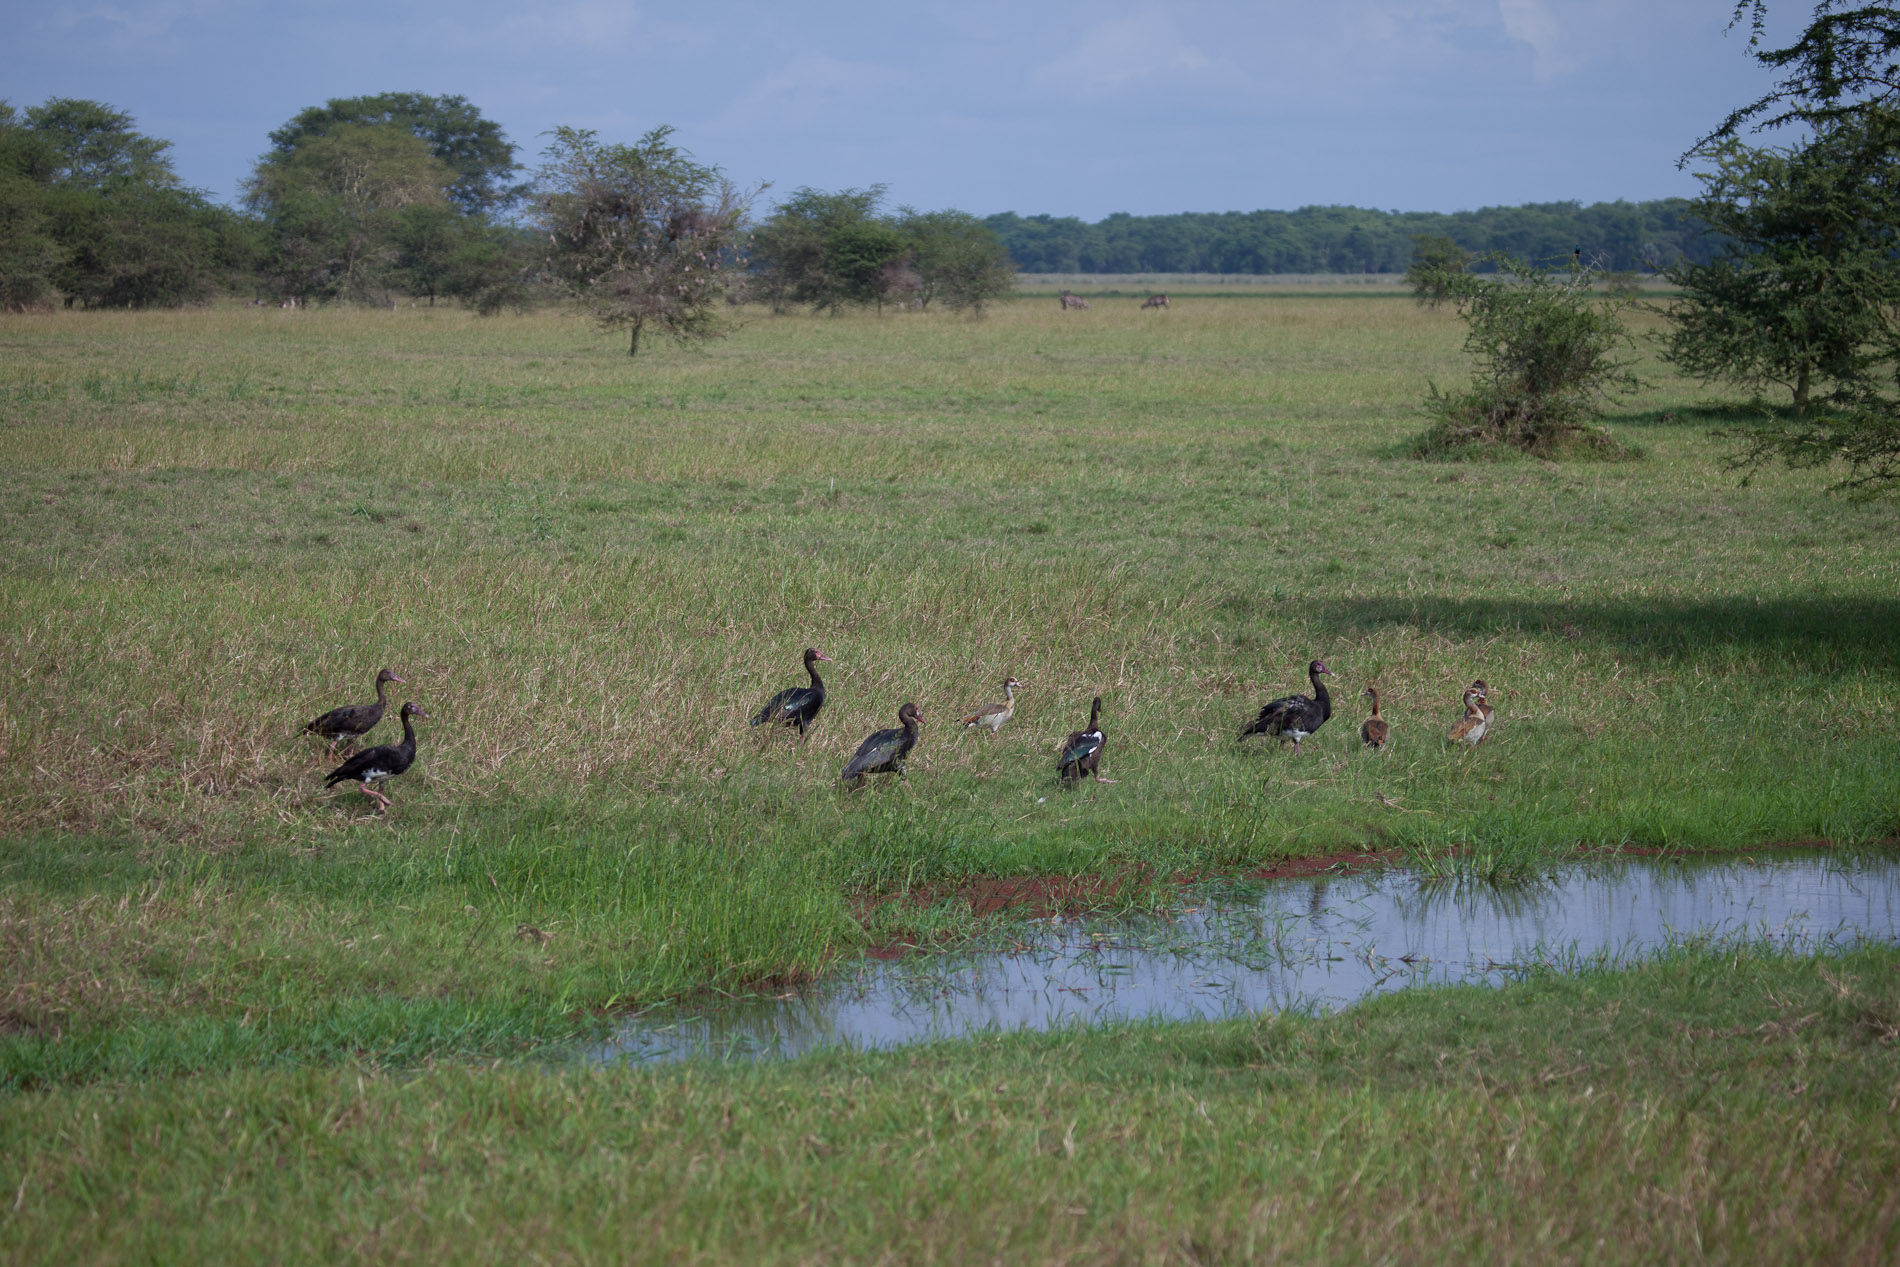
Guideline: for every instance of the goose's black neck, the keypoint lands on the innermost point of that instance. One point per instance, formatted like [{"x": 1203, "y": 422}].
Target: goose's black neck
[
  {"x": 382, "y": 686},
  {"x": 811, "y": 667},
  {"x": 1320, "y": 696}
]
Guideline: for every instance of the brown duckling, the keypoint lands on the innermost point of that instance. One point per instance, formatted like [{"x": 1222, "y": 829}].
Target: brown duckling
[{"x": 1374, "y": 731}]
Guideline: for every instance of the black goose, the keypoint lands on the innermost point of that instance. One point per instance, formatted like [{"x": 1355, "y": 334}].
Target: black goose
[
  {"x": 353, "y": 721},
  {"x": 1295, "y": 717},
  {"x": 385, "y": 761},
  {"x": 1374, "y": 730},
  {"x": 796, "y": 706},
  {"x": 885, "y": 750},
  {"x": 1082, "y": 750}
]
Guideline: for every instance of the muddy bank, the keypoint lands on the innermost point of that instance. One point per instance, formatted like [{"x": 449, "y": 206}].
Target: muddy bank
[{"x": 1044, "y": 896}]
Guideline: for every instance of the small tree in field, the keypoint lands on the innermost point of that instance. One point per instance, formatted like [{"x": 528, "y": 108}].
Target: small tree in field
[
  {"x": 957, "y": 259},
  {"x": 1548, "y": 354},
  {"x": 826, "y": 249},
  {"x": 640, "y": 235},
  {"x": 1437, "y": 263},
  {"x": 861, "y": 260}
]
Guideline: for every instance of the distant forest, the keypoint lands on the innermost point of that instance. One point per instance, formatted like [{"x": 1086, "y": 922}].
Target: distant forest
[{"x": 1620, "y": 235}]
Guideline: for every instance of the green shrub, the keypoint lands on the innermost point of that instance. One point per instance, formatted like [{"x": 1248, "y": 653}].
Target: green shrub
[{"x": 1548, "y": 355}]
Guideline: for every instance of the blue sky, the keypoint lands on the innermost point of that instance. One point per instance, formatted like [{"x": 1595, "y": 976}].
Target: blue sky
[{"x": 1068, "y": 108}]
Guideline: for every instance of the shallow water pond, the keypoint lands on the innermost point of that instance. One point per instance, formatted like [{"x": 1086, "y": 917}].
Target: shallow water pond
[{"x": 1314, "y": 944}]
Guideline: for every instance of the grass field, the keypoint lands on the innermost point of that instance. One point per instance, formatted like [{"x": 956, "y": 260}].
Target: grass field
[
  {"x": 1720, "y": 1107},
  {"x": 591, "y": 570}
]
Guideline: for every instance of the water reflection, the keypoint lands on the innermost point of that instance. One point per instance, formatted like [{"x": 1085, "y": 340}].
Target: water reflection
[{"x": 1316, "y": 944}]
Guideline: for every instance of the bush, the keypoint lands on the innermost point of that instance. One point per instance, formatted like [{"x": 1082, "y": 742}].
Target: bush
[
  {"x": 1548, "y": 360},
  {"x": 1437, "y": 264}
]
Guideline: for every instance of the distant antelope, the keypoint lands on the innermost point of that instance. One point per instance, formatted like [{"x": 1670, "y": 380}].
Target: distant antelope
[
  {"x": 1155, "y": 301},
  {"x": 1069, "y": 301}
]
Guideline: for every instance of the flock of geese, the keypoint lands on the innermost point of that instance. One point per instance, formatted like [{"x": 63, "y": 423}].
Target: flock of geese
[{"x": 1291, "y": 718}]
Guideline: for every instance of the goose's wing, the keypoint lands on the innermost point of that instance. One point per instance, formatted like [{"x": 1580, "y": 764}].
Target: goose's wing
[
  {"x": 351, "y": 719},
  {"x": 1275, "y": 714},
  {"x": 381, "y": 757},
  {"x": 783, "y": 706},
  {"x": 874, "y": 752},
  {"x": 982, "y": 714},
  {"x": 1081, "y": 745}
]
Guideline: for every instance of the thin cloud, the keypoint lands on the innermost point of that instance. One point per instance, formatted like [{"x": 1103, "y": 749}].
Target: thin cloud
[
  {"x": 1122, "y": 51},
  {"x": 1531, "y": 22},
  {"x": 586, "y": 26},
  {"x": 814, "y": 88},
  {"x": 125, "y": 28}
]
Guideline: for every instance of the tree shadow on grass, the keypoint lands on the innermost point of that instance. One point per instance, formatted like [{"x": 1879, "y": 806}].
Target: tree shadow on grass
[
  {"x": 1826, "y": 634},
  {"x": 1709, "y": 413}
]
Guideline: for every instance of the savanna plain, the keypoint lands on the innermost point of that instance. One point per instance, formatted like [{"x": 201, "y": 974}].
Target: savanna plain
[{"x": 242, "y": 1016}]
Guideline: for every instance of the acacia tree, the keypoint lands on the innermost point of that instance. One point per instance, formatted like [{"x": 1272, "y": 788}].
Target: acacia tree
[
  {"x": 640, "y": 235},
  {"x": 95, "y": 146},
  {"x": 140, "y": 246},
  {"x": 956, "y": 258},
  {"x": 1816, "y": 273},
  {"x": 836, "y": 249},
  {"x": 826, "y": 249},
  {"x": 861, "y": 262},
  {"x": 1801, "y": 289},
  {"x": 440, "y": 252},
  {"x": 91, "y": 209}
]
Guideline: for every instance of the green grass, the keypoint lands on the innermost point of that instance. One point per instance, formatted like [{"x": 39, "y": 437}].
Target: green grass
[
  {"x": 1723, "y": 1104},
  {"x": 591, "y": 569}
]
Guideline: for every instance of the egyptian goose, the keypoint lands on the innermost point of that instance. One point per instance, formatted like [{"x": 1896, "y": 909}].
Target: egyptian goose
[
  {"x": 994, "y": 715},
  {"x": 1082, "y": 750},
  {"x": 796, "y": 706},
  {"x": 884, "y": 751},
  {"x": 1471, "y": 730},
  {"x": 1295, "y": 717},
  {"x": 352, "y": 721},
  {"x": 1484, "y": 699},
  {"x": 385, "y": 761},
  {"x": 1373, "y": 730}
]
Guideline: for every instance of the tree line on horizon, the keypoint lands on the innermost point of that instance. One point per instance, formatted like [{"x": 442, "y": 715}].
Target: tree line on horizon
[{"x": 1624, "y": 236}]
